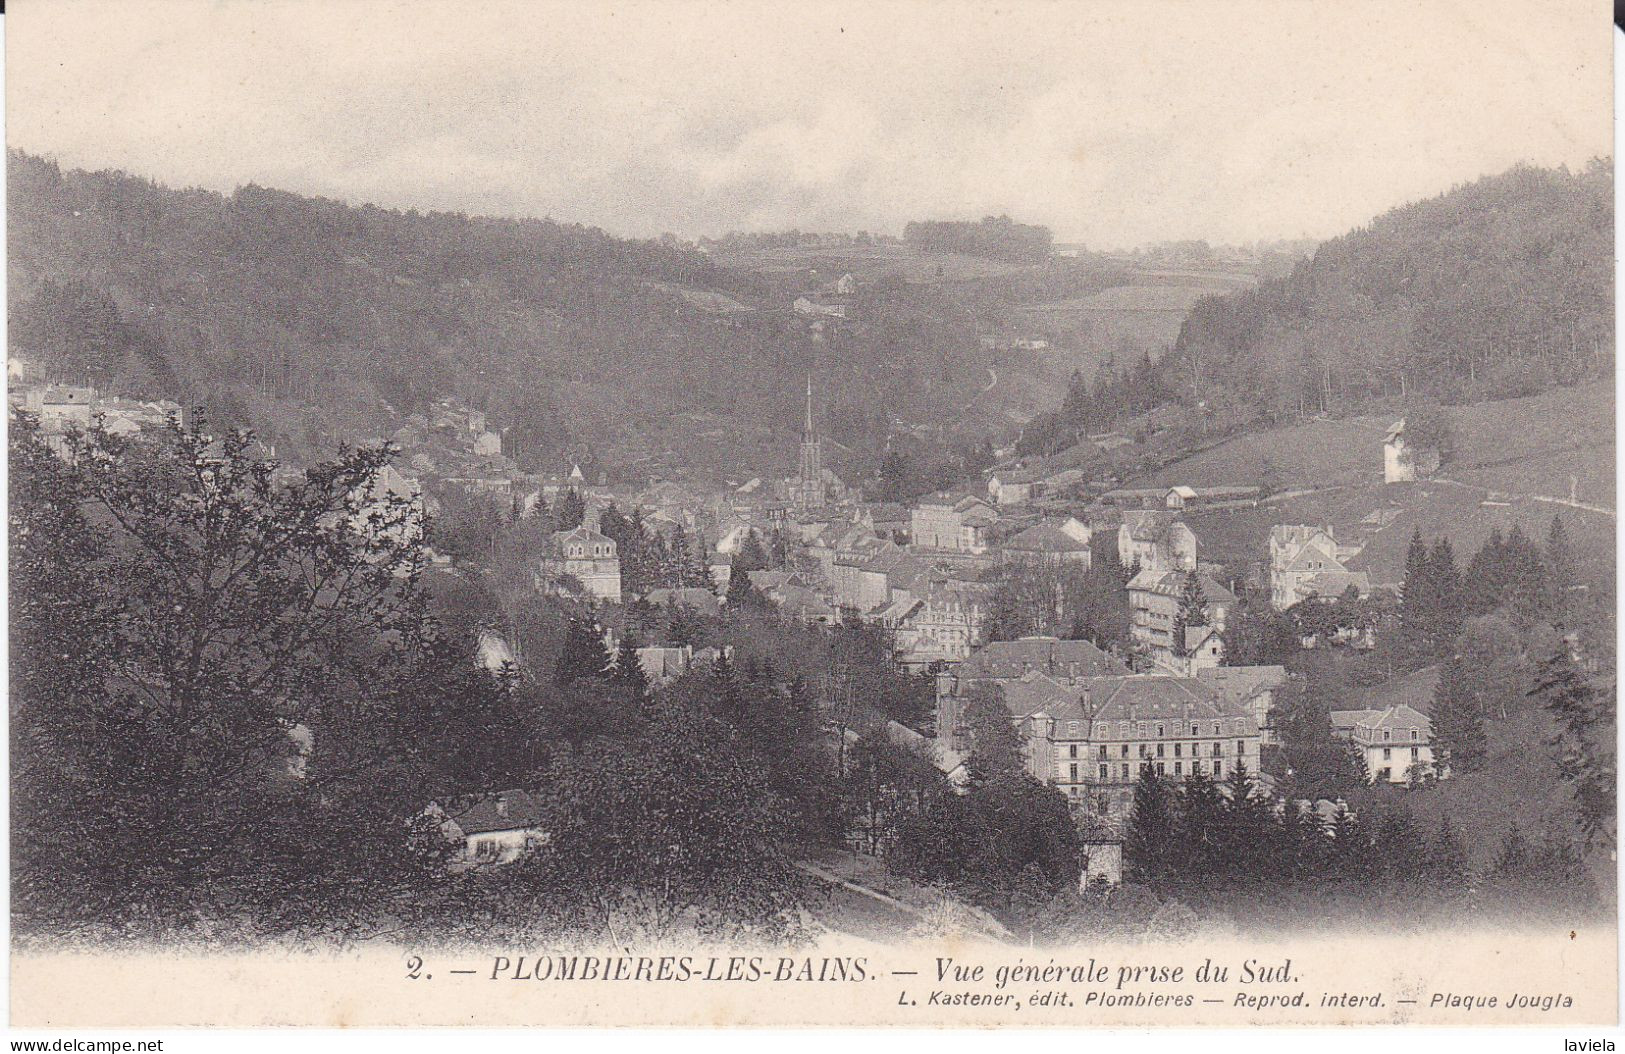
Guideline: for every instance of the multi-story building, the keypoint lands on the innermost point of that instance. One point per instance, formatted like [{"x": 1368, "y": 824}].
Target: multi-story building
[
  {"x": 1156, "y": 541},
  {"x": 1154, "y": 600},
  {"x": 952, "y": 521},
  {"x": 1093, "y": 737},
  {"x": 587, "y": 557},
  {"x": 1307, "y": 563},
  {"x": 60, "y": 411},
  {"x": 1396, "y": 743},
  {"x": 1047, "y": 543},
  {"x": 942, "y": 625},
  {"x": 1012, "y": 487},
  {"x": 1250, "y": 687},
  {"x": 1006, "y": 662}
]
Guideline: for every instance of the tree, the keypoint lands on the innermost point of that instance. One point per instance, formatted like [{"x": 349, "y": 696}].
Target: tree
[
  {"x": 1419, "y": 602},
  {"x": 675, "y": 810},
  {"x": 1445, "y": 588},
  {"x": 752, "y": 556},
  {"x": 1319, "y": 763},
  {"x": 629, "y": 668},
  {"x": 570, "y": 511},
  {"x": 1152, "y": 850},
  {"x": 583, "y": 656},
  {"x": 741, "y": 593},
  {"x": 1484, "y": 581},
  {"x": 1585, "y": 746},
  {"x": 1192, "y": 611},
  {"x": 1445, "y": 864},
  {"x": 1428, "y": 429},
  {"x": 1562, "y": 571},
  {"x": 1460, "y": 743},
  {"x": 994, "y": 746},
  {"x": 1526, "y": 588},
  {"x": 222, "y": 681}
]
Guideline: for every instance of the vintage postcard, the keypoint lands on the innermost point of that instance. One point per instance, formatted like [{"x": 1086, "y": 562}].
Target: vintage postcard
[{"x": 738, "y": 513}]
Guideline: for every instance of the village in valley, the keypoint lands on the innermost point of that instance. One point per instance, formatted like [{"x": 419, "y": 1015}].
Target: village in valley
[
  {"x": 456, "y": 578},
  {"x": 1091, "y": 615}
]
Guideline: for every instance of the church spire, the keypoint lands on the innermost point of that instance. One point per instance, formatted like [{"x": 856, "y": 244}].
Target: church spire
[
  {"x": 810, "y": 478},
  {"x": 808, "y": 430}
]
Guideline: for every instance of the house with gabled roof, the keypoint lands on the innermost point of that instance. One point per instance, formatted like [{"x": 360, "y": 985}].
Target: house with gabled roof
[
  {"x": 951, "y": 521},
  {"x": 494, "y": 828},
  {"x": 1012, "y": 486},
  {"x": 582, "y": 559},
  {"x": 1402, "y": 463},
  {"x": 1046, "y": 543},
  {"x": 1395, "y": 743},
  {"x": 1156, "y": 541},
  {"x": 1307, "y": 563},
  {"x": 1154, "y": 601}
]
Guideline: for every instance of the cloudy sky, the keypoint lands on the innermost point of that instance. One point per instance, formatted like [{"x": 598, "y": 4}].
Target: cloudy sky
[{"x": 1114, "y": 123}]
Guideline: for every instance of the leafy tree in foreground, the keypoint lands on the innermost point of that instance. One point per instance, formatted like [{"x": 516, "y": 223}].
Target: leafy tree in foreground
[{"x": 237, "y": 721}]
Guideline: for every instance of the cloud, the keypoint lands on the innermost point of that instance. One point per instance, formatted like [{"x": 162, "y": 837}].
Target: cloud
[{"x": 1114, "y": 122}]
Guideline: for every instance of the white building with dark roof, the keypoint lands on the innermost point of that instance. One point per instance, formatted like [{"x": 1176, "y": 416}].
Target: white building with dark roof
[
  {"x": 1396, "y": 742},
  {"x": 1093, "y": 738},
  {"x": 1156, "y": 541},
  {"x": 951, "y": 521},
  {"x": 1306, "y": 563},
  {"x": 582, "y": 556},
  {"x": 494, "y": 828},
  {"x": 1154, "y": 599}
]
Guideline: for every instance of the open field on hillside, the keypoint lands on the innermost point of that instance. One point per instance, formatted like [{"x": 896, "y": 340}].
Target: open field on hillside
[
  {"x": 1337, "y": 467},
  {"x": 867, "y": 263},
  {"x": 1144, "y": 316},
  {"x": 1511, "y": 445}
]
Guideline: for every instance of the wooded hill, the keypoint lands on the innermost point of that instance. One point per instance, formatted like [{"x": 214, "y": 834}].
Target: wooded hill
[
  {"x": 1497, "y": 289},
  {"x": 312, "y": 320}
]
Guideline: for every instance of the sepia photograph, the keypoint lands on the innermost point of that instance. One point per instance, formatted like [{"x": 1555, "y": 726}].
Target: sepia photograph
[{"x": 811, "y": 514}]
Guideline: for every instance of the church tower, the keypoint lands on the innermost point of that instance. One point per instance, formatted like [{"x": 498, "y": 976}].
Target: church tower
[{"x": 810, "y": 478}]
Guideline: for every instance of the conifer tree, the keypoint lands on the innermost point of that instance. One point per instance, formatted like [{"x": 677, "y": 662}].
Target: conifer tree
[
  {"x": 696, "y": 574},
  {"x": 583, "y": 656},
  {"x": 1562, "y": 572},
  {"x": 1514, "y": 855},
  {"x": 751, "y": 555},
  {"x": 1446, "y": 596},
  {"x": 570, "y": 511},
  {"x": 1399, "y": 845},
  {"x": 1418, "y": 604},
  {"x": 1192, "y": 612},
  {"x": 1205, "y": 833},
  {"x": 740, "y": 592},
  {"x": 1151, "y": 852},
  {"x": 1446, "y": 860},
  {"x": 1459, "y": 740},
  {"x": 1484, "y": 581},
  {"x": 1585, "y": 746},
  {"x": 628, "y": 667},
  {"x": 1525, "y": 575}
]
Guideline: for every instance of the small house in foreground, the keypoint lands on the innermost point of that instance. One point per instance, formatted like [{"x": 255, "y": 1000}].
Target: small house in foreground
[{"x": 494, "y": 828}]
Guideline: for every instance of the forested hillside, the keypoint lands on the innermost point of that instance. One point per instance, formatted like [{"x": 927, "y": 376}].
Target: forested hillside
[
  {"x": 1497, "y": 289},
  {"x": 311, "y": 320}
]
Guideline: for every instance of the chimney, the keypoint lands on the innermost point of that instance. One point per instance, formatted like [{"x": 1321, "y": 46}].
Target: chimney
[{"x": 502, "y": 805}]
